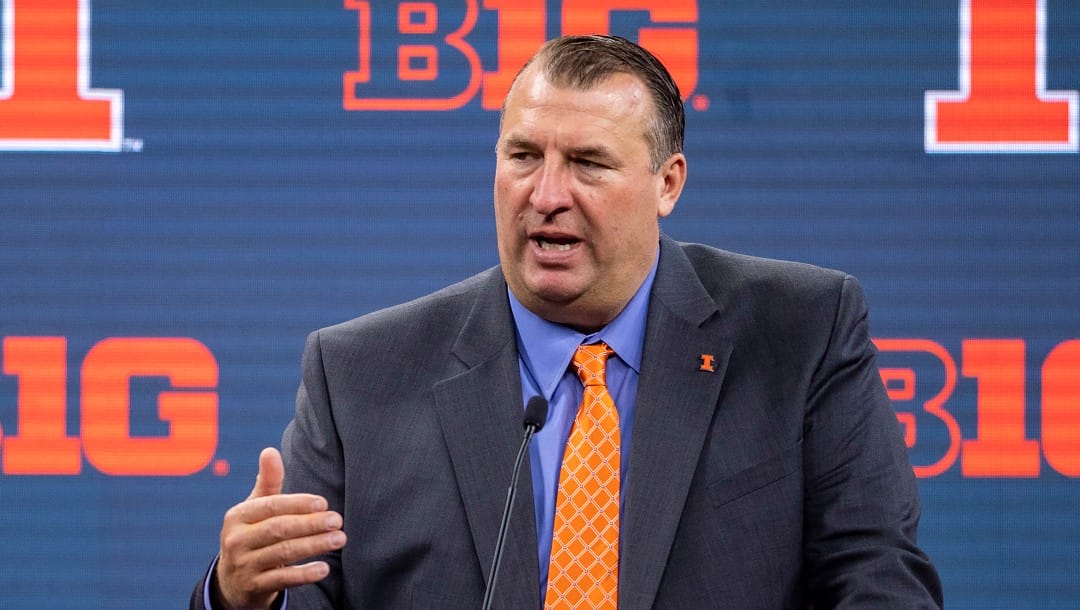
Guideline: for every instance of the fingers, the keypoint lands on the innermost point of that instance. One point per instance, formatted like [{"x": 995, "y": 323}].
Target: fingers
[
  {"x": 286, "y": 552},
  {"x": 261, "y": 508},
  {"x": 255, "y": 558},
  {"x": 263, "y": 535},
  {"x": 281, "y": 541},
  {"x": 286, "y": 539},
  {"x": 291, "y": 576},
  {"x": 271, "y": 474}
]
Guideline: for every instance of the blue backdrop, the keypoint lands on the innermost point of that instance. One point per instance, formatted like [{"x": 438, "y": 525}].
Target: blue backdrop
[{"x": 238, "y": 191}]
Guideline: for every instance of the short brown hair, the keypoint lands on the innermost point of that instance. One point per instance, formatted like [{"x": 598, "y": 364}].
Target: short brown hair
[{"x": 582, "y": 62}]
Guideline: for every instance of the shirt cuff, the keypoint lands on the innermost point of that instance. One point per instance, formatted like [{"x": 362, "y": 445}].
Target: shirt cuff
[{"x": 281, "y": 603}]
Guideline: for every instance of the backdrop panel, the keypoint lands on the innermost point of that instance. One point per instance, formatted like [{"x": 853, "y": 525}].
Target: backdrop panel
[{"x": 188, "y": 188}]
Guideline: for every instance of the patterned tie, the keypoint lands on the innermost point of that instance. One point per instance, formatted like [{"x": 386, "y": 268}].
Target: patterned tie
[{"x": 584, "y": 571}]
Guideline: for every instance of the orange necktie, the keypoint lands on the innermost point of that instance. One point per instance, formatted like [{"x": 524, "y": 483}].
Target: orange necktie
[{"x": 584, "y": 570}]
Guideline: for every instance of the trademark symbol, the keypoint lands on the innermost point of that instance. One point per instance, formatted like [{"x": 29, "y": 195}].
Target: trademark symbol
[{"x": 132, "y": 145}]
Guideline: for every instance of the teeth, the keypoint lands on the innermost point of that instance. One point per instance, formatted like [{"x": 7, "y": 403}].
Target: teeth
[{"x": 547, "y": 245}]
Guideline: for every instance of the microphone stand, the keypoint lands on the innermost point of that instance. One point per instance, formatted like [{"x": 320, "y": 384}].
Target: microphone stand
[{"x": 535, "y": 416}]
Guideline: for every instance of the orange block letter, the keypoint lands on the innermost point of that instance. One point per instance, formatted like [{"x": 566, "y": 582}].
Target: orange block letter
[
  {"x": 192, "y": 416},
  {"x": 1002, "y": 104},
  {"x": 677, "y": 48},
  {"x": 46, "y": 102},
  {"x": 42, "y": 445}
]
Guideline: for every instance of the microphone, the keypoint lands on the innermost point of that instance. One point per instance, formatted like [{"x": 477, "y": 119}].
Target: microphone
[{"x": 535, "y": 416}]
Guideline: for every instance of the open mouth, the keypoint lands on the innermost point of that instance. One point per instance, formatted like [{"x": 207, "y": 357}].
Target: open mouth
[{"x": 554, "y": 244}]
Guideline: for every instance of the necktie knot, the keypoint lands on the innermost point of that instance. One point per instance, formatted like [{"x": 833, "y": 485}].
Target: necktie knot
[{"x": 590, "y": 361}]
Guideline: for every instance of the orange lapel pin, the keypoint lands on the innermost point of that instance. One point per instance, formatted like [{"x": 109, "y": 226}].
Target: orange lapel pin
[{"x": 707, "y": 363}]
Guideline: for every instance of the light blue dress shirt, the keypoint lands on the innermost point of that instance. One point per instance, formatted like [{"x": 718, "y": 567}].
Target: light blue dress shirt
[{"x": 544, "y": 353}]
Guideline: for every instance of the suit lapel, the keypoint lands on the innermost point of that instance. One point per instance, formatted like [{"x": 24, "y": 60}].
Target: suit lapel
[
  {"x": 675, "y": 405},
  {"x": 480, "y": 414}
]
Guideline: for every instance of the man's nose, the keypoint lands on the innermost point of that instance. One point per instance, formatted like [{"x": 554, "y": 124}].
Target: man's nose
[{"x": 551, "y": 191}]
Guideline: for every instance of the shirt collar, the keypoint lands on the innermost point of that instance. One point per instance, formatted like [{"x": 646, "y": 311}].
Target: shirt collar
[{"x": 546, "y": 348}]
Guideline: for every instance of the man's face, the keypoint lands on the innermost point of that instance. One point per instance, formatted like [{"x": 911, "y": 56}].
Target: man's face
[{"x": 577, "y": 205}]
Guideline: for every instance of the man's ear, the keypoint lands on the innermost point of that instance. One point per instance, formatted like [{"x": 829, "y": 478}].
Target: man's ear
[{"x": 672, "y": 177}]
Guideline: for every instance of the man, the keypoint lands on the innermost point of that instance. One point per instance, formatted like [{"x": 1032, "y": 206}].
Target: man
[{"x": 757, "y": 462}]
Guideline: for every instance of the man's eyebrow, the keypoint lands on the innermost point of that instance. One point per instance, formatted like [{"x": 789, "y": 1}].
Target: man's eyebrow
[{"x": 517, "y": 142}]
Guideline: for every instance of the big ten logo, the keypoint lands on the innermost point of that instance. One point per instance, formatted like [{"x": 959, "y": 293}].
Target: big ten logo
[
  {"x": 46, "y": 102},
  {"x": 994, "y": 437},
  {"x": 1003, "y": 104},
  {"x": 182, "y": 372},
  {"x": 421, "y": 55}
]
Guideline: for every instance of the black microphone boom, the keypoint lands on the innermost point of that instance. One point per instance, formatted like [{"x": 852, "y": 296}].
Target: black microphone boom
[{"x": 535, "y": 416}]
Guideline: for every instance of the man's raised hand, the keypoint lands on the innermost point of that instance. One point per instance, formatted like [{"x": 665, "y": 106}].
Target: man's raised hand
[{"x": 263, "y": 536}]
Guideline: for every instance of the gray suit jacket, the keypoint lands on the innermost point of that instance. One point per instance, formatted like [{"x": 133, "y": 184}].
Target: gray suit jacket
[{"x": 776, "y": 480}]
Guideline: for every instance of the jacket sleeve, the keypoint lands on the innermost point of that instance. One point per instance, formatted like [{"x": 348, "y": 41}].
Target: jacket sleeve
[
  {"x": 861, "y": 499},
  {"x": 311, "y": 451}
]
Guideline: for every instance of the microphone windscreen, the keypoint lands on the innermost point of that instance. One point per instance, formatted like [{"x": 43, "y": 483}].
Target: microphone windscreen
[{"x": 536, "y": 412}]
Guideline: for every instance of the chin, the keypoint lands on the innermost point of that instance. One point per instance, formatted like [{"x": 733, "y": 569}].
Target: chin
[
  {"x": 554, "y": 298},
  {"x": 554, "y": 292}
]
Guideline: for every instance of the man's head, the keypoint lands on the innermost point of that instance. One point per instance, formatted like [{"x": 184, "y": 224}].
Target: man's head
[{"x": 589, "y": 159}]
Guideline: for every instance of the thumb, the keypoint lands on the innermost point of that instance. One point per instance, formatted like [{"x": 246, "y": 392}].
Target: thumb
[{"x": 271, "y": 474}]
